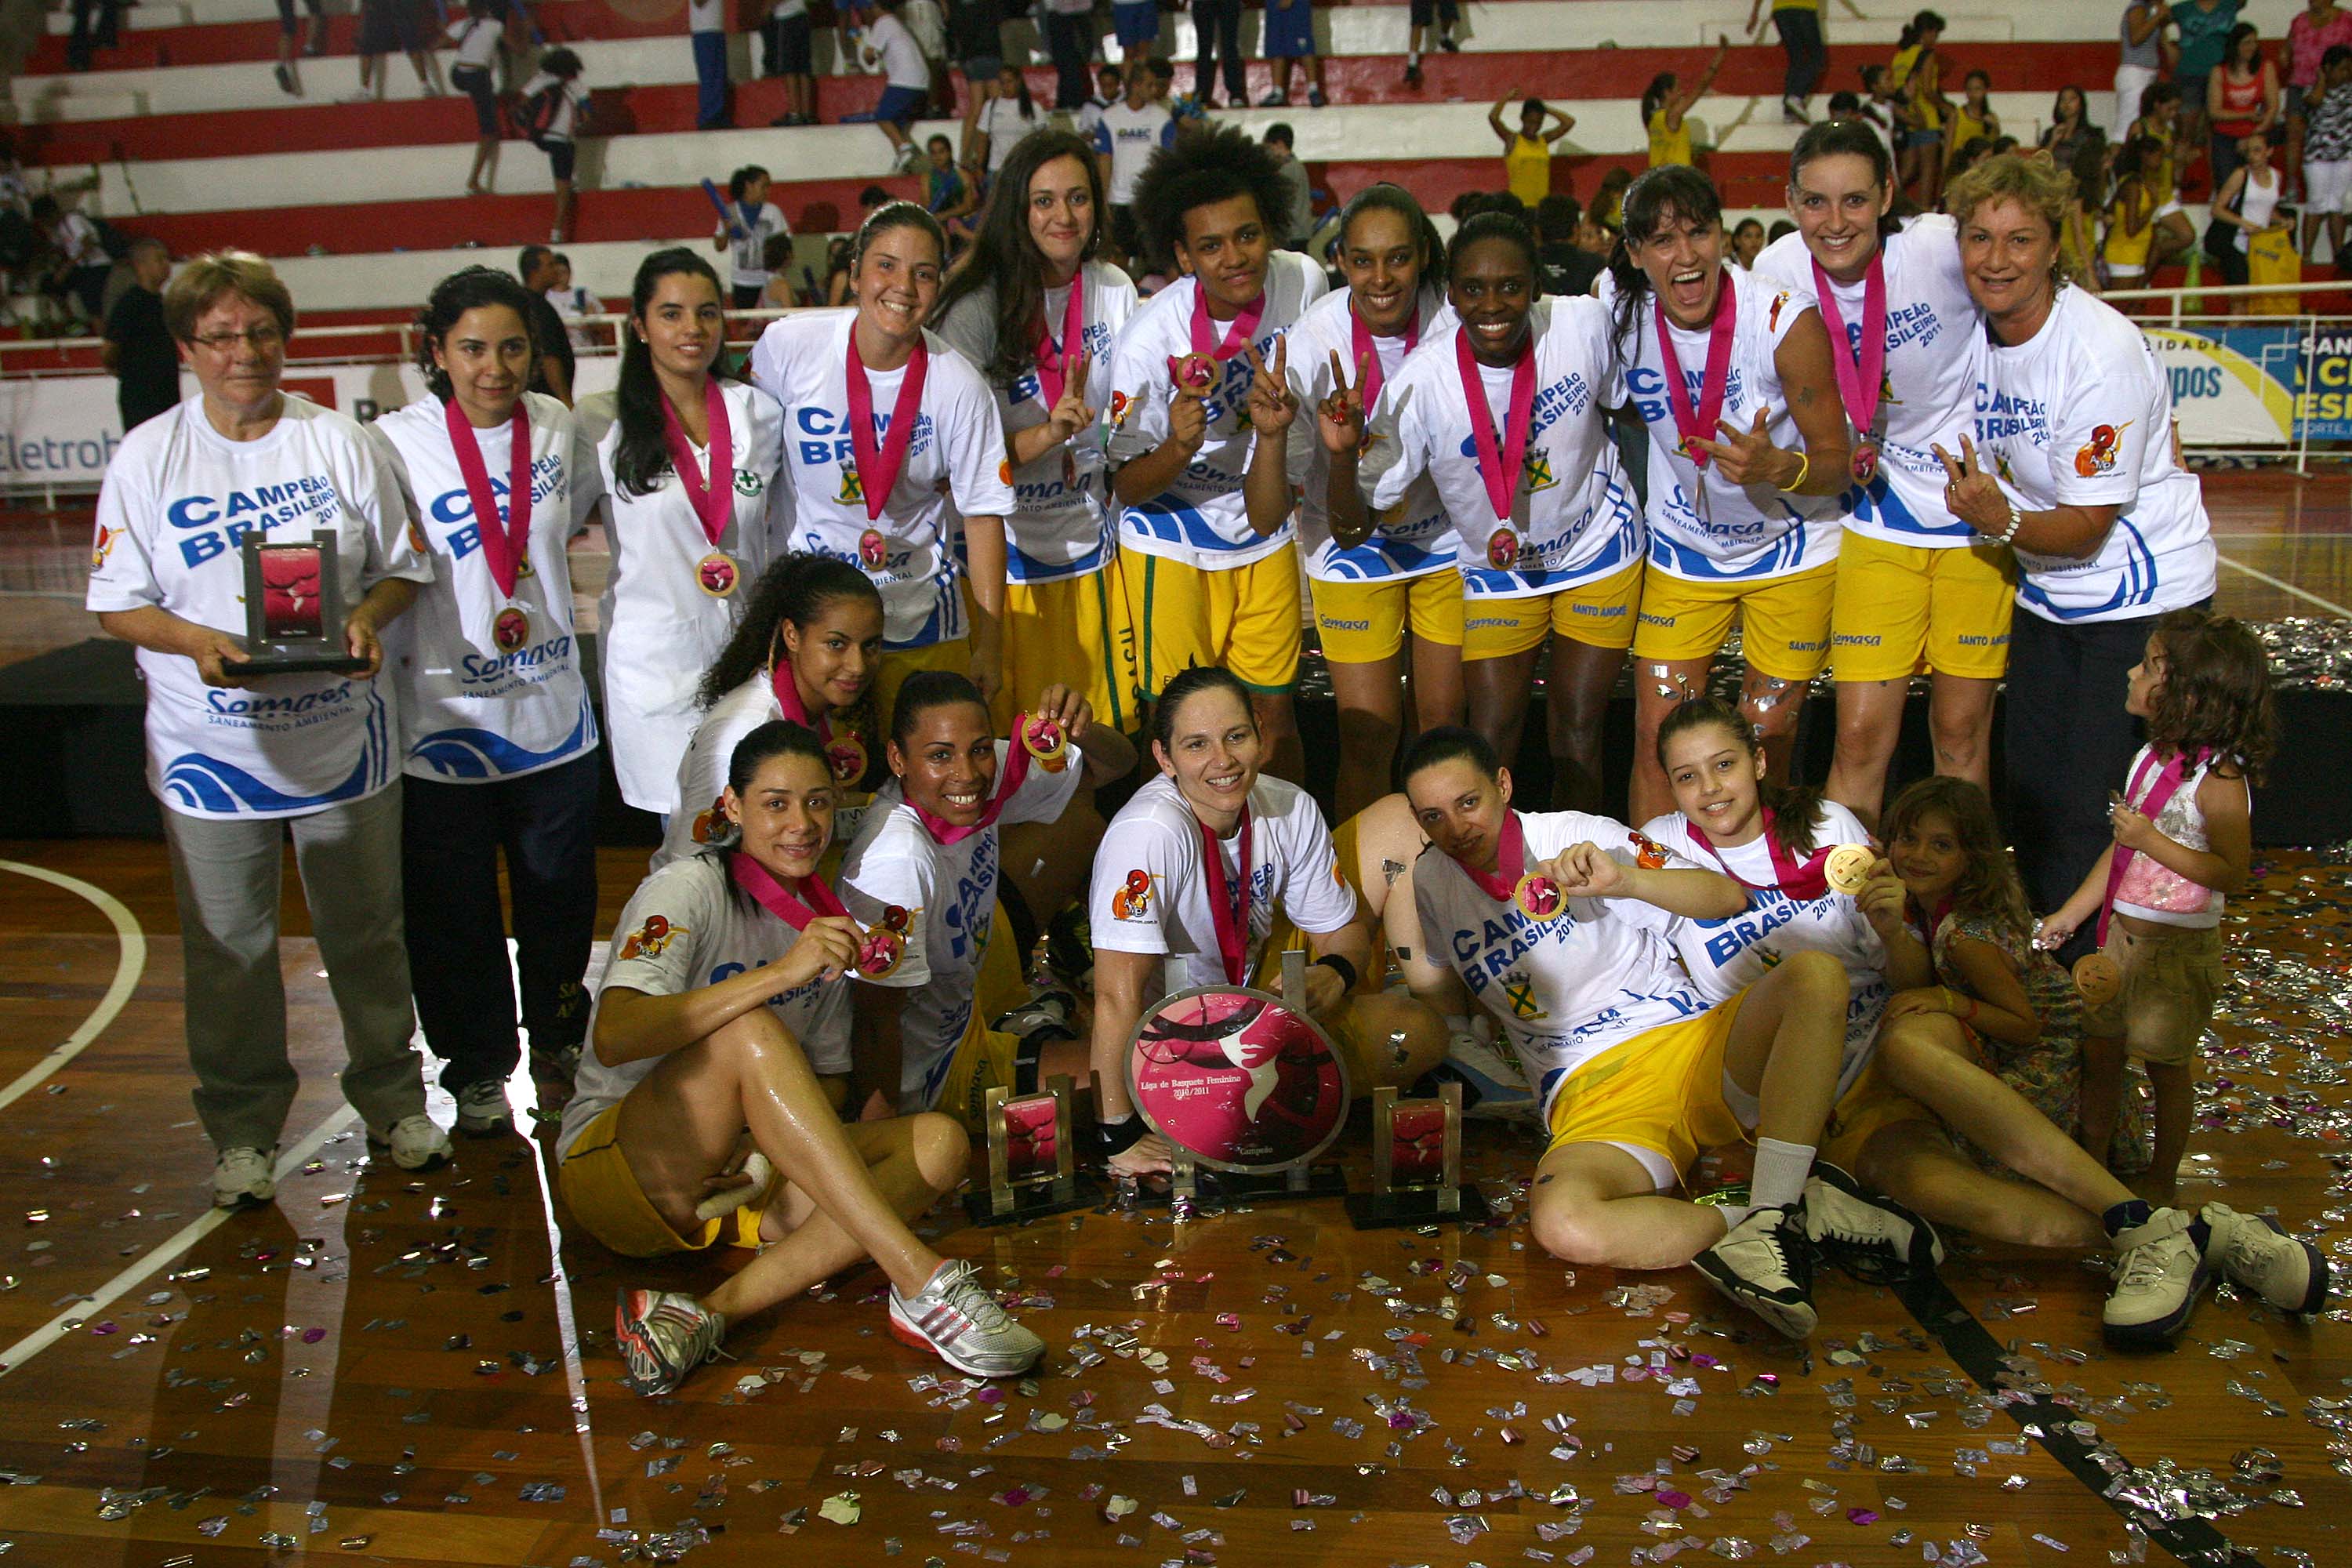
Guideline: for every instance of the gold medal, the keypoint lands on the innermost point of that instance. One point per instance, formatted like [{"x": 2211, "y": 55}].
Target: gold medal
[
  {"x": 846, "y": 755},
  {"x": 1045, "y": 739},
  {"x": 717, "y": 575},
  {"x": 1848, "y": 869},
  {"x": 1539, "y": 898},
  {"x": 510, "y": 629},
  {"x": 873, "y": 549}
]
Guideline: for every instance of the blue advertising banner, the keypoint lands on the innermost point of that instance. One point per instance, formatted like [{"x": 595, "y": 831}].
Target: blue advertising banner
[{"x": 2272, "y": 383}]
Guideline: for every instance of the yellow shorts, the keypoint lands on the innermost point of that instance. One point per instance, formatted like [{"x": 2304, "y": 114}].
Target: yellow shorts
[
  {"x": 1246, "y": 618},
  {"x": 1599, "y": 613},
  {"x": 1073, "y": 631},
  {"x": 603, "y": 1194},
  {"x": 1662, "y": 1090},
  {"x": 1784, "y": 620},
  {"x": 1364, "y": 623},
  {"x": 984, "y": 1059},
  {"x": 1901, "y": 608},
  {"x": 954, "y": 654},
  {"x": 1868, "y": 1105}
]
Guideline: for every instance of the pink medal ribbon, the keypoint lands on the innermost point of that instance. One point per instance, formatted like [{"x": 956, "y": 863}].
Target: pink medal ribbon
[
  {"x": 1499, "y": 462},
  {"x": 712, "y": 500},
  {"x": 2168, "y": 783},
  {"x": 1700, "y": 424},
  {"x": 1228, "y": 904},
  {"x": 1802, "y": 881},
  {"x": 1008, "y": 781},
  {"x": 845, "y": 755},
  {"x": 878, "y": 471},
  {"x": 1862, "y": 371},
  {"x": 1197, "y": 370},
  {"x": 503, "y": 543},
  {"x": 1360, "y": 348},
  {"x": 878, "y": 948},
  {"x": 1054, "y": 360}
]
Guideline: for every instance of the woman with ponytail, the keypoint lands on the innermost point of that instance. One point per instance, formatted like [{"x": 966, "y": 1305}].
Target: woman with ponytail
[{"x": 689, "y": 462}]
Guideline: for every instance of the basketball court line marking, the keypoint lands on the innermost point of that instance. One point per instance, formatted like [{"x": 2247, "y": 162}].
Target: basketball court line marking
[
  {"x": 131, "y": 963},
  {"x": 167, "y": 1252},
  {"x": 2330, "y": 606}
]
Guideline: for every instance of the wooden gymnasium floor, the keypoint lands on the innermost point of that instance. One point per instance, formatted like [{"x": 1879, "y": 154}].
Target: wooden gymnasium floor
[{"x": 394, "y": 1371}]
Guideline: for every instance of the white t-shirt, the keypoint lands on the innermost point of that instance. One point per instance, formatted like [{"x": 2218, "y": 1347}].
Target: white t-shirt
[
  {"x": 1423, "y": 542},
  {"x": 1935, "y": 357},
  {"x": 1746, "y": 532},
  {"x": 1091, "y": 115},
  {"x": 568, "y": 105},
  {"x": 687, "y": 926},
  {"x": 1061, "y": 527},
  {"x": 1001, "y": 122},
  {"x": 958, "y": 447},
  {"x": 1726, "y": 957},
  {"x": 475, "y": 712},
  {"x": 1130, "y": 135},
  {"x": 747, "y": 266},
  {"x": 476, "y": 39},
  {"x": 76, "y": 239},
  {"x": 177, "y": 501},
  {"x": 1201, "y": 520},
  {"x": 949, "y": 892},
  {"x": 2081, "y": 416},
  {"x": 1156, "y": 837},
  {"x": 1572, "y": 507},
  {"x": 1569, "y": 989},
  {"x": 900, "y": 56},
  {"x": 702, "y": 773},
  {"x": 661, "y": 629}
]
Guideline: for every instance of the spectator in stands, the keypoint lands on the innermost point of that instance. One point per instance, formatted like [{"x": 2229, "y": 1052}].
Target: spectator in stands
[
  {"x": 2078, "y": 237},
  {"x": 2070, "y": 127},
  {"x": 1218, "y": 24},
  {"x": 2130, "y": 218},
  {"x": 1966, "y": 156},
  {"x": 139, "y": 347},
  {"x": 976, "y": 37},
  {"x": 1799, "y": 23},
  {"x": 1444, "y": 14},
  {"x": 837, "y": 271},
  {"x": 1526, "y": 152},
  {"x": 2325, "y": 142},
  {"x": 571, "y": 301},
  {"x": 1128, "y": 134},
  {"x": 1875, "y": 106},
  {"x": 1746, "y": 243},
  {"x": 1004, "y": 119},
  {"x": 779, "y": 294},
  {"x": 1594, "y": 239},
  {"x": 1609, "y": 199},
  {"x": 2142, "y": 45},
  {"x": 752, "y": 221},
  {"x": 552, "y": 372},
  {"x": 2204, "y": 27},
  {"x": 1136, "y": 25},
  {"x": 87, "y": 35},
  {"x": 2309, "y": 36},
  {"x": 474, "y": 73},
  {"x": 1915, "y": 79},
  {"x": 1290, "y": 35},
  {"x": 1782, "y": 229},
  {"x": 2242, "y": 98},
  {"x": 82, "y": 263},
  {"x": 1664, "y": 104},
  {"x": 311, "y": 753},
  {"x": 786, "y": 35},
  {"x": 2159, "y": 123},
  {"x": 1108, "y": 84},
  {"x": 555, "y": 109},
  {"x": 1292, "y": 228},
  {"x": 887, "y": 47},
  {"x": 705, "y": 24},
  {"x": 1973, "y": 119},
  {"x": 2246, "y": 204},
  {"x": 948, "y": 194},
  {"x": 313, "y": 47},
  {"x": 1070, "y": 38},
  {"x": 386, "y": 25},
  {"x": 1568, "y": 268}
]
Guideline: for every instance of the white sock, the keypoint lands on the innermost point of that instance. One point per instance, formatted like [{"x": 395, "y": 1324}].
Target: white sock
[
  {"x": 1734, "y": 1215},
  {"x": 1413, "y": 59},
  {"x": 1780, "y": 1173}
]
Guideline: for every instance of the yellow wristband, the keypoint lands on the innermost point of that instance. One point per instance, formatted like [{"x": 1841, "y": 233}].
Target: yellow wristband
[{"x": 1804, "y": 467}]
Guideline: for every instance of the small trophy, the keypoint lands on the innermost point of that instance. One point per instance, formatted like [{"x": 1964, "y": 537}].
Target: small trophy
[
  {"x": 1032, "y": 1167},
  {"x": 293, "y": 609},
  {"x": 1416, "y": 1165}
]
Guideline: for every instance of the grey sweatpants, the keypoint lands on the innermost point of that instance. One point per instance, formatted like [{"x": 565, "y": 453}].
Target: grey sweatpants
[{"x": 226, "y": 874}]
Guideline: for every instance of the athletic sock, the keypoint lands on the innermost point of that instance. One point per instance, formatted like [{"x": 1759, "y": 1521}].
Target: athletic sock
[
  {"x": 1413, "y": 59},
  {"x": 1780, "y": 1172},
  {"x": 1734, "y": 1215},
  {"x": 2128, "y": 1215}
]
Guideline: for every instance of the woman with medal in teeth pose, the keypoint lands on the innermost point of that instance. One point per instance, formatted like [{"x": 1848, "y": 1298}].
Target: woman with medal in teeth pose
[
  {"x": 687, "y": 463},
  {"x": 1749, "y": 456},
  {"x": 1203, "y": 873},
  {"x": 1402, "y": 577},
  {"x": 1504, "y": 415},
  {"x": 887, "y": 437},
  {"x": 699, "y": 1118},
  {"x": 501, "y": 741},
  {"x": 1916, "y": 586}
]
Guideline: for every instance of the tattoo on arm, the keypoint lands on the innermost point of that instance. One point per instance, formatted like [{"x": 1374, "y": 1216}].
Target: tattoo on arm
[{"x": 1391, "y": 870}]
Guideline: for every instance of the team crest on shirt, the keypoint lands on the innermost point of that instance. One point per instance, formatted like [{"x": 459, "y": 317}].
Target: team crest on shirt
[
  {"x": 748, "y": 483},
  {"x": 711, "y": 825},
  {"x": 1538, "y": 471},
  {"x": 2097, "y": 456},
  {"x": 1121, "y": 406},
  {"x": 103, "y": 546},
  {"x": 853, "y": 488},
  {"x": 1648, "y": 853},
  {"x": 648, "y": 940},
  {"x": 1772, "y": 316},
  {"x": 1133, "y": 899},
  {"x": 417, "y": 539},
  {"x": 1004, "y": 471},
  {"x": 1519, "y": 992}
]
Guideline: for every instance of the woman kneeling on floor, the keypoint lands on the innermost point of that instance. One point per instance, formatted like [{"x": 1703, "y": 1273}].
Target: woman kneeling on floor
[{"x": 698, "y": 1114}]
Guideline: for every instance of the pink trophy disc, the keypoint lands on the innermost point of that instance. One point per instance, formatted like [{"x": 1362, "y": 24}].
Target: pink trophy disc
[
  {"x": 1502, "y": 550},
  {"x": 1865, "y": 463},
  {"x": 1538, "y": 897},
  {"x": 1196, "y": 371},
  {"x": 510, "y": 629},
  {"x": 1848, "y": 869},
  {"x": 715, "y": 575},
  {"x": 2098, "y": 978},
  {"x": 873, "y": 549},
  {"x": 846, "y": 755}
]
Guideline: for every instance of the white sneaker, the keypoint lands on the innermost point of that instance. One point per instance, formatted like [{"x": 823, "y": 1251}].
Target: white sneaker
[
  {"x": 1865, "y": 1229},
  {"x": 1766, "y": 1266},
  {"x": 957, "y": 1320},
  {"x": 2254, "y": 1254},
  {"x": 416, "y": 1143},
  {"x": 243, "y": 1178},
  {"x": 2159, "y": 1276},
  {"x": 483, "y": 1110}
]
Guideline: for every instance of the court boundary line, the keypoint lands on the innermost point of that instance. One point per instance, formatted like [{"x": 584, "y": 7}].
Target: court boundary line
[
  {"x": 2330, "y": 606},
  {"x": 163, "y": 1253},
  {"x": 130, "y": 967}
]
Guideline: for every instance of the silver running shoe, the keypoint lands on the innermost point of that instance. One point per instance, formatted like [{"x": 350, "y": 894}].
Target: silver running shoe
[
  {"x": 663, "y": 1335},
  {"x": 957, "y": 1320},
  {"x": 2254, "y": 1254},
  {"x": 1766, "y": 1266},
  {"x": 2159, "y": 1276}
]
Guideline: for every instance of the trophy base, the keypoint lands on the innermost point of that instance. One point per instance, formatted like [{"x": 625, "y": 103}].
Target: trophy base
[
  {"x": 1213, "y": 1190},
  {"x": 272, "y": 661},
  {"x": 1033, "y": 1203},
  {"x": 1413, "y": 1208}
]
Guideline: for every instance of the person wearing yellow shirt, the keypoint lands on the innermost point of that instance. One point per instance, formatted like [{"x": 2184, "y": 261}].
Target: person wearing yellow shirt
[
  {"x": 1526, "y": 152},
  {"x": 1970, "y": 118},
  {"x": 1668, "y": 101},
  {"x": 1915, "y": 80}
]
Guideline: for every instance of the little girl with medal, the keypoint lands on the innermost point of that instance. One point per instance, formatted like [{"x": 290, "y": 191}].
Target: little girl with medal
[
  {"x": 689, "y": 464},
  {"x": 501, "y": 741},
  {"x": 806, "y": 650},
  {"x": 705, "y": 1110},
  {"x": 889, "y": 436},
  {"x": 1916, "y": 585},
  {"x": 1749, "y": 459},
  {"x": 1505, "y": 415}
]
